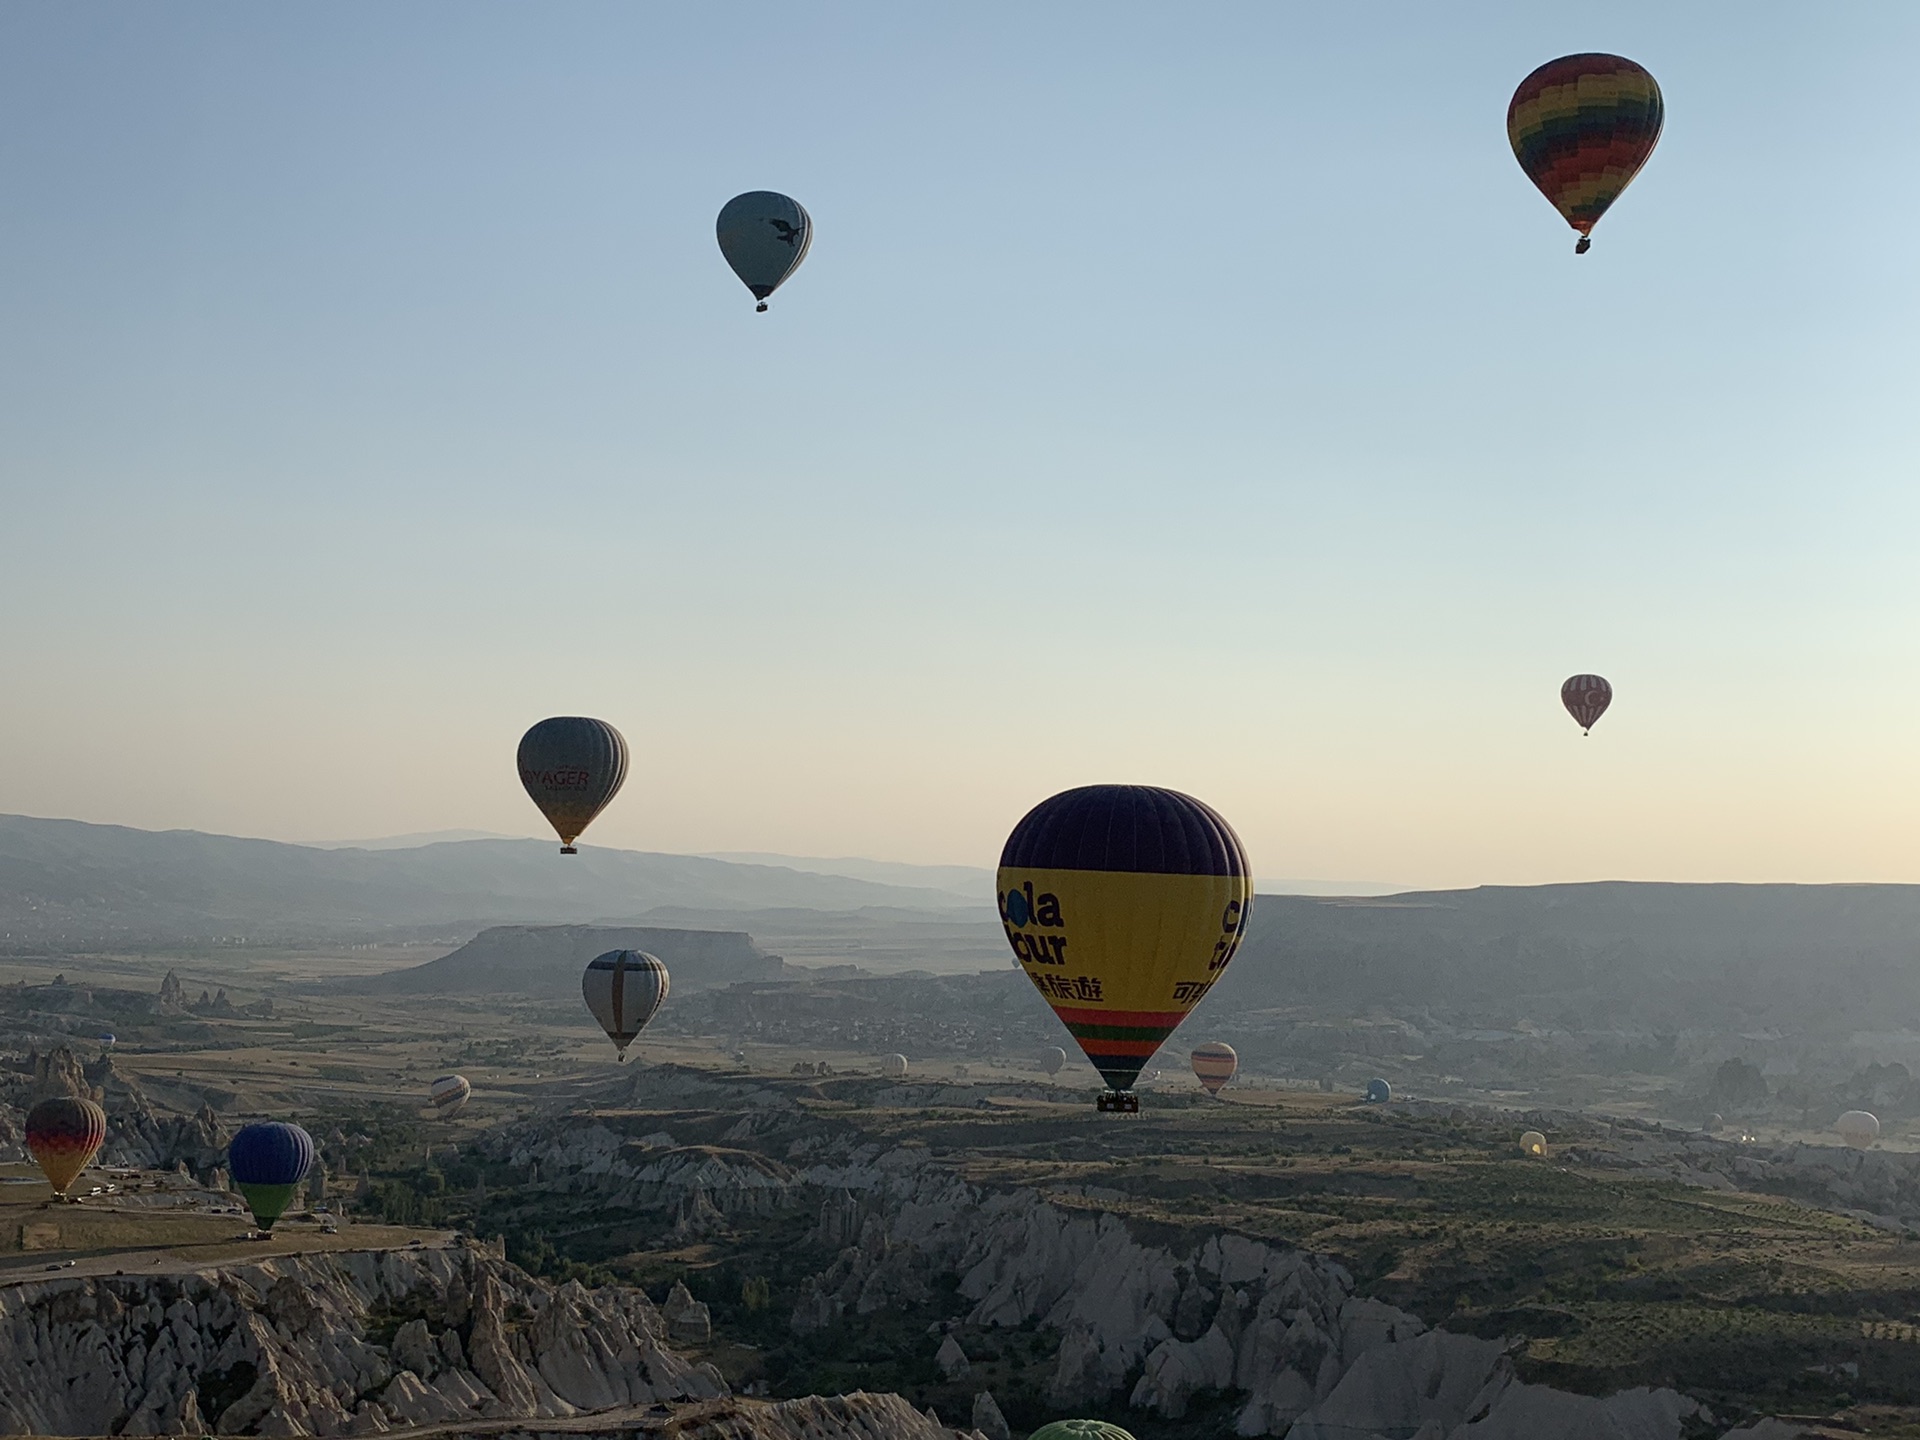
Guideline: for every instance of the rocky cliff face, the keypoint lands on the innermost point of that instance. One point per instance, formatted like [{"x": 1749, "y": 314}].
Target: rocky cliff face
[
  {"x": 1285, "y": 1329},
  {"x": 356, "y": 1342}
]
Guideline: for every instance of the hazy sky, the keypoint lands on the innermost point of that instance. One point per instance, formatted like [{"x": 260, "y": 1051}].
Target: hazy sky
[{"x": 1186, "y": 395}]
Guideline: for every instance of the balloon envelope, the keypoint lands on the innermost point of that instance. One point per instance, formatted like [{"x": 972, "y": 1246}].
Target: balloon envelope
[
  {"x": 448, "y": 1094},
  {"x": 1581, "y": 127},
  {"x": 1859, "y": 1129},
  {"x": 63, "y": 1134},
  {"x": 1214, "y": 1064},
  {"x": 764, "y": 236},
  {"x": 1586, "y": 698},
  {"x": 1379, "y": 1092},
  {"x": 1534, "y": 1143},
  {"x": 572, "y": 767},
  {"x": 1052, "y": 1059},
  {"x": 894, "y": 1067},
  {"x": 1080, "y": 1430},
  {"x": 268, "y": 1159},
  {"x": 1123, "y": 904},
  {"x": 624, "y": 989}
]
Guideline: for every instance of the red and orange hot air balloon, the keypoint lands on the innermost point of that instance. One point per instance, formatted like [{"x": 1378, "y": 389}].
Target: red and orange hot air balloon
[
  {"x": 63, "y": 1135},
  {"x": 1586, "y": 698},
  {"x": 1581, "y": 127}
]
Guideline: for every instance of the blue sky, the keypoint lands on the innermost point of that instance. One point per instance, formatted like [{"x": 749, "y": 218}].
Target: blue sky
[{"x": 1198, "y": 399}]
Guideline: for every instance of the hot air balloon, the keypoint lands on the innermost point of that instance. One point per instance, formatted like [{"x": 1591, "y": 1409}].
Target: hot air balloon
[
  {"x": 105, "y": 1037},
  {"x": 449, "y": 1095},
  {"x": 1214, "y": 1064},
  {"x": 63, "y": 1134},
  {"x": 1534, "y": 1143},
  {"x": 1080, "y": 1430},
  {"x": 1581, "y": 127},
  {"x": 268, "y": 1159},
  {"x": 764, "y": 236},
  {"x": 1379, "y": 1092},
  {"x": 1858, "y": 1129},
  {"x": 1123, "y": 904},
  {"x": 1586, "y": 698},
  {"x": 1052, "y": 1059},
  {"x": 572, "y": 767},
  {"x": 624, "y": 989},
  {"x": 894, "y": 1067}
]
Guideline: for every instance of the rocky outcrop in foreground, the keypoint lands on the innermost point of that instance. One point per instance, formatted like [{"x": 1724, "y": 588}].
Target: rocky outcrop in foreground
[
  {"x": 1313, "y": 1360},
  {"x": 355, "y": 1342}
]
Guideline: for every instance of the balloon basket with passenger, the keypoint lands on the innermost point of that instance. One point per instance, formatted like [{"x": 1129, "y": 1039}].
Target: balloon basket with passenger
[{"x": 1118, "y": 1102}]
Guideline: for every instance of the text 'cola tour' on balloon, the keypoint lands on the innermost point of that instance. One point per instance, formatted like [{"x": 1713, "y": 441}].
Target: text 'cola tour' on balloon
[
  {"x": 572, "y": 767},
  {"x": 764, "y": 236},
  {"x": 267, "y": 1160},
  {"x": 64, "y": 1133},
  {"x": 1214, "y": 1064},
  {"x": 1123, "y": 904},
  {"x": 624, "y": 989},
  {"x": 1586, "y": 698},
  {"x": 1581, "y": 127}
]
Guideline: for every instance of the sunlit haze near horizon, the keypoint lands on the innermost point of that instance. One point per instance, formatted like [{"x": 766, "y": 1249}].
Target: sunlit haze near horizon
[{"x": 1196, "y": 397}]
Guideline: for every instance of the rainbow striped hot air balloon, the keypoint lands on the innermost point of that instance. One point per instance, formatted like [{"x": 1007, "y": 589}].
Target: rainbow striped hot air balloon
[
  {"x": 1214, "y": 1064},
  {"x": 268, "y": 1160},
  {"x": 1581, "y": 127},
  {"x": 1123, "y": 903},
  {"x": 63, "y": 1134}
]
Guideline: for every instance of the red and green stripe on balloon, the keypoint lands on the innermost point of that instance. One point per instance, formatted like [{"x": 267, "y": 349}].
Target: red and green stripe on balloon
[{"x": 1581, "y": 127}]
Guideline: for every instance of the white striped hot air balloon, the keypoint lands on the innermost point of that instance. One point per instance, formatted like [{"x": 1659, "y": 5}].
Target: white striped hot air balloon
[
  {"x": 449, "y": 1095},
  {"x": 624, "y": 989},
  {"x": 1214, "y": 1064},
  {"x": 894, "y": 1067},
  {"x": 1859, "y": 1129}
]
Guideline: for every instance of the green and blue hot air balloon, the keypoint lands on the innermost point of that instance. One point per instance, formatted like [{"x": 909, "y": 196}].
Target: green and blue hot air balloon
[{"x": 268, "y": 1160}]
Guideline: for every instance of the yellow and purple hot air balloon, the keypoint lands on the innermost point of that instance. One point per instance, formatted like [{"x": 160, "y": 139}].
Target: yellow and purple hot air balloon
[
  {"x": 1123, "y": 904},
  {"x": 63, "y": 1134},
  {"x": 1581, "y": 127}
]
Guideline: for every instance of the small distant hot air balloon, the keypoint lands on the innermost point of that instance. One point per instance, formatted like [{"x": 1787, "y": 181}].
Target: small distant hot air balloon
[
  {"x": 1859, "y": 1129},
  {"x": 1123, "y": 904},
  {"x": 624, "y": 989},
  {"x": 1080, "y": 1430},
  {"x": 1581, "y": 127},
  {"x": 765, "y": 236},
  {"x": 63, "y": 1134},
  {"x": 1379, "y": 1092},
  {"x": 1533, "y": 1143},
  {"x": 894, "y": 1067},
  {"x": 105, "y": 1037},
  {"x": 1586, "y": 698},
  {"x": 449, "y": 1095},
  {"x": 268, "y": 1159},
  {"x": 572, "y": 767},
  {"x": 1214, "y": 1064},
  {"x": 1052, "y": 1059}
]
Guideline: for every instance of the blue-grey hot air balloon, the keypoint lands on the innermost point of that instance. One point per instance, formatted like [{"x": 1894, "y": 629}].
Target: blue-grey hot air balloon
[
  {"x": 572, "y": 767},
  {"x": 764, "y": 236},
  {"x": 1379, "y": 1092}
]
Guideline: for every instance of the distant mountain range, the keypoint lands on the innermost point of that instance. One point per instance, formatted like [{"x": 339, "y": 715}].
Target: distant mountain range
[{"x": 68, "y": 884}]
